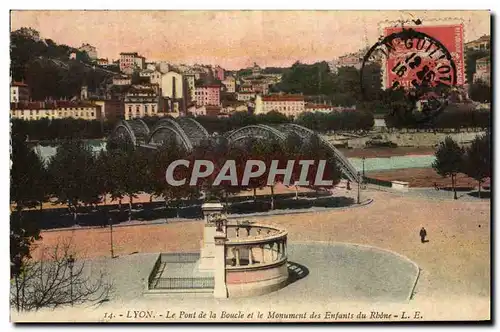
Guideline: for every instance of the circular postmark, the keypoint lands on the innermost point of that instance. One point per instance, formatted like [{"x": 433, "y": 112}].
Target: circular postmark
[{"x": 415, "y": 63}]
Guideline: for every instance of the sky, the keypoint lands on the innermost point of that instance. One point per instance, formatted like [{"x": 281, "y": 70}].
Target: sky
[{"x": 232, "y": 39}]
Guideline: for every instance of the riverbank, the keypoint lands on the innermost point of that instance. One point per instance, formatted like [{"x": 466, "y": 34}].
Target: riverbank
[
  {"x": 386, "y": 152},
  {"x": 424, "y": 177}
]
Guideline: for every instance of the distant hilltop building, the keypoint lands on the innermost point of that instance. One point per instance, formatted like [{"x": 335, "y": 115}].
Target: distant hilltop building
[
  {"x": 102, "y": 62},
  {"x": 256, "y": 70},
  {"x": 19, "y": 92},
  {"x": 28, "y": 33},
  {"x": 482, "y": 43},
  {"x": 90, "y": 50},
  {"x": 483, "y": 70},
  {"x": 130, "y": 61},
  {"x": 290, "y": 105},
  {"x": 349, "y": 60},
  {"x": 230, "y": 84},
  {"x": 219, "y": 73}
]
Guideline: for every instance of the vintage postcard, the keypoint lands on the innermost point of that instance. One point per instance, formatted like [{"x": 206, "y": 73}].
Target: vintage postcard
[{"x": 250, "y": 166}]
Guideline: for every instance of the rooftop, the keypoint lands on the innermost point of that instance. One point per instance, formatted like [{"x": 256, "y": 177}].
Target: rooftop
[
  {"x": 211, "y": 86},
  {"x": 283, "y": 98},
  {"x": 14, "y": 83},
  {"x": 53, "y": 104}
]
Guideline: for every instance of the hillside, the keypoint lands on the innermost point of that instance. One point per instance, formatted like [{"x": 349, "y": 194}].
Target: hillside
[{"x": 45, "y": 66}]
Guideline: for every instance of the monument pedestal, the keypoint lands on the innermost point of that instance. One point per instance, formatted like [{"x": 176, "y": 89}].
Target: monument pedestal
[
  {"x": 207, "y": 254},
  {"x": 220, "y": 287}
]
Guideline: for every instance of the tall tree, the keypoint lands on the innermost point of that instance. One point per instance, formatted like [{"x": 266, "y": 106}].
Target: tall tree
[
  {"x": 480, "y": 91},
  {"x": 477, "y": 160},
  {"x": 129, "y": 169},
  {"x": 449, "y": 156},
  {"x": 28, "y": 176},
  {"x": 71, "y": 170}
]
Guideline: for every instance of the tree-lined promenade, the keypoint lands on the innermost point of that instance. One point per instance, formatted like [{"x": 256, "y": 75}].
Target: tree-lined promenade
[
  {"x": 77, "y": 177},
  {"x": 473, "y": 161}
]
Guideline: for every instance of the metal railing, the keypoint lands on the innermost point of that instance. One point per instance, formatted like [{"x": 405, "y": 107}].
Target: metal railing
[
  {"x": 184, "y": 283},
  {"x": 154, "y": 272},
  {"x": 156, "y": 281}
]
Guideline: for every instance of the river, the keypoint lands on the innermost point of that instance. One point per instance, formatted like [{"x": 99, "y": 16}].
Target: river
[{"x": 371, "y": 163}]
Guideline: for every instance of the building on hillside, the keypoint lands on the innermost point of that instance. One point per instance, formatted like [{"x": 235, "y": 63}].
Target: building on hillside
[
  {"x": 289, "y": 105},
  {"x": 84, "y": 92},
  {"x": 141, "y": 101},
  {"x": 260, "y": 87},
  {"x": 131, "y": 61},
  {"x": 90, "y": 50},
  {"x": 483, "y": 70},
  {"x": 256, "y": 70},
  {"x": 111, "y": 110},
  {"x": 147, "y": 73},
  {"x": 194, "y": 71},
  {"x": 102, "y": 62},
  {"x": 190, "y": 86},
  {"x": 206, "y": 110},
  {"x": 155, "y": 77},
  {"x": 232, "y": 107},
  {"x": 182, "y": 68},
  {"x": 245, "y": 96},
  {"x": 349, "y": 60},
  {"x": 151, "y": 66},
  {"x": 122, "y": 80},
  {"x": 207, "y": 95},
  {"x": 246, "y": 87},
  {"x": 319, "y": 108},
  {"x": 219, "y": 73},
  {"x": 163, "y": 67},
  {"x": 172, "y": 85},
  {"x": 55, "y": 110},
  {"x": 19, "y": 92},
  {"x": 482, "y": 43},
  {"x": 230, "y": 84}
]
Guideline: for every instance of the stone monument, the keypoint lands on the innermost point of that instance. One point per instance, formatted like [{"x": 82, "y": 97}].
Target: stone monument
[{"x": 212, "y": 212}]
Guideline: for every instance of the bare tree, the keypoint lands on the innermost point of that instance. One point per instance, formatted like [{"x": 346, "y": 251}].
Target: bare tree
[{"x": 58, "y": 279}]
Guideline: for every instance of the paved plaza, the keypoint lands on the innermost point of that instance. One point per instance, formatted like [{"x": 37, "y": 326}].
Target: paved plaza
[
  {"x": 338, "y": 271},
  {"x": 454, "y": 264}
]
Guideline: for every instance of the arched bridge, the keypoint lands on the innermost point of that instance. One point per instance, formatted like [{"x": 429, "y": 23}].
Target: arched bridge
[{"x": 189, "y": 133}]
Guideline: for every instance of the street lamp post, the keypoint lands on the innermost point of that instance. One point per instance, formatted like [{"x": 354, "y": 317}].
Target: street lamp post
[
  {"x": 363, "y": 166},
  {"x": 359, "y": 184},
  {"x": 71, "y": 263},
  {"x": 111, "y": 237}
]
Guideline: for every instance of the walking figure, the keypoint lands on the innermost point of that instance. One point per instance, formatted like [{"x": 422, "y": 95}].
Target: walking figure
[
  {"x": 423, "y": 234},
  {"x": 436, "y": 186},
  {"x": 348, "y": 185}
]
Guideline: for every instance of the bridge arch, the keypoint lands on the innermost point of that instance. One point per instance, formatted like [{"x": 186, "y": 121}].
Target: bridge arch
[
  {"x": 193, "y": 129},
  {"x": 345, "y": 165},
  {"x": 140, "y": 129},
  {"x": 255, "y": 131},
  {"x": 124, "y": 130},
  {"x": 168, "y": 127}
]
